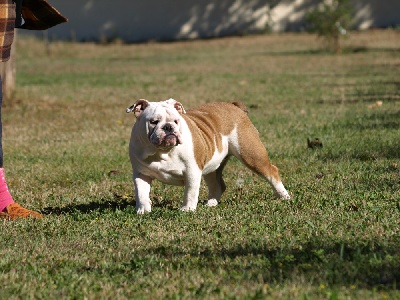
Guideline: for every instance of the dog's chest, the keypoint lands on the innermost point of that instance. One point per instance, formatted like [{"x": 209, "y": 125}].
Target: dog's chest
[{"x": 166, "y": 169}]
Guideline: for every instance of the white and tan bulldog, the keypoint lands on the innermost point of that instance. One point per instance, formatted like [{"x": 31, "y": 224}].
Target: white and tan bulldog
[{"x": 178, "y": 147}]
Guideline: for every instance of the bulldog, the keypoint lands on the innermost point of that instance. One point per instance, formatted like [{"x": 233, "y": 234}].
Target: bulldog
[{"x": 179, "y": 147}]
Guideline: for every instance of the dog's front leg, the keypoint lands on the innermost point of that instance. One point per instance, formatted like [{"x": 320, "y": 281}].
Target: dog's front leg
[
  {"x": 142, "y": 193},
  {"x": 191, "y": 194}
]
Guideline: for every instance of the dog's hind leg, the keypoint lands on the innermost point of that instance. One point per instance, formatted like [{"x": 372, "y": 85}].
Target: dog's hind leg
[
  {"x": 216, "y": 184},
  {"x": 250, "y": 150}
]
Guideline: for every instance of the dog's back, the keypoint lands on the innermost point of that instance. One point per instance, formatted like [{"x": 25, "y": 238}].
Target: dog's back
[{"x": 242, "y": 106}]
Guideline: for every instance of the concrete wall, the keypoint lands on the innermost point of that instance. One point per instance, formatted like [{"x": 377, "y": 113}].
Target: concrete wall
[
  {"x": 134, "y": 20},
  {"x": 288, "y": 15}
]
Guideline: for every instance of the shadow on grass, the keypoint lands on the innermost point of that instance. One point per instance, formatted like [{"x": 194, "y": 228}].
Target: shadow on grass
[
  {"x": 117, "y": 203},
  {"x": 366, "y": 146},
  {"x": 345, "y": 51},
  {"x": 338, "y": 264},
  {"x": 378, "y": 120},
  {"x": 354, "y": 99},
  {"x": 370, "y": 153}
]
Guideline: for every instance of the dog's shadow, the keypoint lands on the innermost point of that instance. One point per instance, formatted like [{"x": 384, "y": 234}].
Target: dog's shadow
[{"x": 117, "y": 203}]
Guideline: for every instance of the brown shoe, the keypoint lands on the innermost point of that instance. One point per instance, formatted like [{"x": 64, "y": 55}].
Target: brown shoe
[{"x": 14, "y": 211}]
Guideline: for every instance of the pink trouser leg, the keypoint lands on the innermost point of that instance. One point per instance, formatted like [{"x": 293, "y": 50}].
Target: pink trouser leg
[{"x": 5, "y": 196}]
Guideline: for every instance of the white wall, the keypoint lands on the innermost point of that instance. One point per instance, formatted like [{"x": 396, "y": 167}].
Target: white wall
[
  {"x": 289, "y": 14},
  {"x": 138, "y": 20}
]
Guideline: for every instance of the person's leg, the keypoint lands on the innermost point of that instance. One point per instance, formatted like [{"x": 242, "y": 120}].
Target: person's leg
[
  {"x": 8, "y": 208},
  {"x": 5, "y": 197}
]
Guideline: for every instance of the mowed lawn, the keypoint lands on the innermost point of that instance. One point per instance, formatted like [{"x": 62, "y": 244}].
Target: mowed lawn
[{"x": 66, "y": 138}]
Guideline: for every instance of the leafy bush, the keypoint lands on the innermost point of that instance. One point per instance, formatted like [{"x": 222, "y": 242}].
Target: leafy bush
[{"x": 331, "y": 20}]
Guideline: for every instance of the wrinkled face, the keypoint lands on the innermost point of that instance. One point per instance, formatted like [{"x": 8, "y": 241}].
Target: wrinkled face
[{"x": 163, "y": 124}]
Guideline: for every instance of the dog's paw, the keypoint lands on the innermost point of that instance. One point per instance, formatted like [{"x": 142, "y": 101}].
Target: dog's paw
[
  {"x": 142, "y": 209},
  {"x": 188, "y": 208},
  {"x": 283, "y": 195},
  {"x": 281, "y": 192},
  {"x": 211, "y": 203}
]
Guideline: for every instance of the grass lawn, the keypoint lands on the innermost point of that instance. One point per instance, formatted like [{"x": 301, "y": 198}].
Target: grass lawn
[{"x": 66, "y": 138}]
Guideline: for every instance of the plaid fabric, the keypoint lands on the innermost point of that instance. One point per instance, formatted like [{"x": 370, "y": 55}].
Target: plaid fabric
[
  {"x": 7, "y": 24},
  {"x": 37, "y": 14}
]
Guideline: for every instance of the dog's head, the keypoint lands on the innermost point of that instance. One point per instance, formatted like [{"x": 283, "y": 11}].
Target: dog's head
[{"x": 159, "y": 121}]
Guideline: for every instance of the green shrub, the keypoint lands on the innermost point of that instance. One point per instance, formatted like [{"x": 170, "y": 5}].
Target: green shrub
[{"x": 331, "y": 21}]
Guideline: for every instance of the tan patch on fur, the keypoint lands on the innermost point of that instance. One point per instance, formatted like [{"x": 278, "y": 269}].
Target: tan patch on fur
[
  {"x": 253, "y": 152},
  {"x": 207, "y": 123}
]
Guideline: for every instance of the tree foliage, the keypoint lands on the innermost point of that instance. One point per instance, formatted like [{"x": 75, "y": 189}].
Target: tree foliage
[{"x": 331, "y": 20}]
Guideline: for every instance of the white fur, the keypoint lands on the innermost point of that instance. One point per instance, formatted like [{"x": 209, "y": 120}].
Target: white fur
[
  {"x": 280, "y": 190},
  {"x": 217, "y": 157},
  {"x": 176, "y": 165}
]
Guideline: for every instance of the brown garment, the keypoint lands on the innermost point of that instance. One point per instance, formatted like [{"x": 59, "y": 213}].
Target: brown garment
[
  {"x": 40, "y": 15},
  {"x": 7, "y": 24},
  {"x": 37, "y": 14}
]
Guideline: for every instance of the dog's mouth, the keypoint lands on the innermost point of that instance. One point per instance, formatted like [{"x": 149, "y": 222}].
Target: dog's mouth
[
  {"x": 165, "y": 140},
  {"x": 170, "y": 140}
]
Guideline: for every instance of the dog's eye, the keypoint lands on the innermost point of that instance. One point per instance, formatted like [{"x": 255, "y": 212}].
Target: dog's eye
[
  {"x": 176, "y": 122},
  {"x": 154, "y": 122}
]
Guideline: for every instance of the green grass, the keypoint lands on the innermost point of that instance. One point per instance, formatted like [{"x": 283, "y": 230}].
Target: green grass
[{"x": 66, "y": 136}]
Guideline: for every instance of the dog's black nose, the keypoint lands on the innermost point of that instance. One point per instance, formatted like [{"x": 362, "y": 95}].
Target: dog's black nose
[{"x": 168, "y": 127}]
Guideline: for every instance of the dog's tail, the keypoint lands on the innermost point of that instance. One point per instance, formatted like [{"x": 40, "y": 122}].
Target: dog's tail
[{"x": 241, "y": 106}]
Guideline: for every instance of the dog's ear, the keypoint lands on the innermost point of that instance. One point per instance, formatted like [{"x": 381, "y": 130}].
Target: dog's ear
[
  {"x": 138, "y": 107},
  {"x": 177, "y": 105}
]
